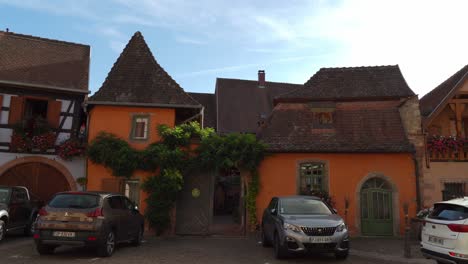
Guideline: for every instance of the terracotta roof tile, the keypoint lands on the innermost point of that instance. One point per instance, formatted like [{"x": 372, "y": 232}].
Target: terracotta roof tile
[
  {"x": 136, "y": 77},
  {"x": 242, "y": 103},
  {"x": 357, "y": 127},
  {"x": 353, "y": 82},
  {"x": 40, "y": 61}
]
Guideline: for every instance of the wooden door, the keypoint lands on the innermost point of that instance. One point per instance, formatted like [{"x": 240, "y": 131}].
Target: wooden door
[
  {"x": 42, "y": 180},
  {"x": 376, "y": 208},
  {"x": 194, "y": 209}
]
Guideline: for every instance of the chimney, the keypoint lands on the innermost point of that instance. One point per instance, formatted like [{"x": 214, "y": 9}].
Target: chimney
[{"x": 261, "y": 79}]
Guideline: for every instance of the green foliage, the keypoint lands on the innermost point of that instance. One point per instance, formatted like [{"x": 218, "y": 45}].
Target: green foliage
[
  {"x": 251, "y": 201},
  {"x": 172, "y": 157},
  {"x": 242, "y": 151},
  {"x": 162, "y": 192},
  {"x": 114, "y": 153}
]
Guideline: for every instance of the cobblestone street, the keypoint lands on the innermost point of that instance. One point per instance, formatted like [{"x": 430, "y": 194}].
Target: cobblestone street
[{"x": 17, "y": 249}]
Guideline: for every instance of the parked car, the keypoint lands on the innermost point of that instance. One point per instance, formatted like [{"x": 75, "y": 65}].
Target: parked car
[
  {"x": 93, "y": 219},
  {"x": 17, "y": 210},
  {"x": 304, "y": 224},
  {"x": 444, "y": 235}
]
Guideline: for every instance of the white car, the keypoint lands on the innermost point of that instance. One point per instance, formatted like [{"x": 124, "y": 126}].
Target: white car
[{"x": 444, "y": 235}]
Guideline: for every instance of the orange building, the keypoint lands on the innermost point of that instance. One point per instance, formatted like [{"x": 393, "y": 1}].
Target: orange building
[
  {"x": 136, "y": 97},
  {"x": 345, "y": 133}
]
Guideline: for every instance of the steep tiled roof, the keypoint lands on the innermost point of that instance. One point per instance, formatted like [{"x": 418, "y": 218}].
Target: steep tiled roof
[
  {"x": 430, "y": 101},
  {"x": 354, "y": 82},
  {"x": 209, "y": 102},
  {"x": 242, "y": 103},
  {"x": 39, "y": 61},
  {"x": 136, "y": 77},
  {"x": 357, "y": 127}
]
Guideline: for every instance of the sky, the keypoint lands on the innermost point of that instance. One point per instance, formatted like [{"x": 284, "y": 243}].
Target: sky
[{"x": 199, "y": 41}]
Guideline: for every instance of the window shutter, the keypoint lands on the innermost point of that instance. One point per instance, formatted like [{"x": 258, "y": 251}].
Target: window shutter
[
  {"x": 16, "y": 109},
  {"x": 112, "y": 185},
  {"x": 1, "y": 105},
  {"x": 53, "y": 113}
]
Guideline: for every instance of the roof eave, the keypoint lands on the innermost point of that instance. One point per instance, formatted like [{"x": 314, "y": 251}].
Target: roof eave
[
  {"x": 41, "y": 86},
  {"x": 90, "y": 102}
]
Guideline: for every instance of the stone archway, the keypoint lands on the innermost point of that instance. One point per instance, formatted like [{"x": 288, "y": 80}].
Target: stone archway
[
  {"x": 390, "y": 190},
  {"x": 42, "y": 176}
]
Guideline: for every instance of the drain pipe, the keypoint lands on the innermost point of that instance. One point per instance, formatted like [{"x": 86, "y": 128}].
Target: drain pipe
[{"x": 417, "y": 173}]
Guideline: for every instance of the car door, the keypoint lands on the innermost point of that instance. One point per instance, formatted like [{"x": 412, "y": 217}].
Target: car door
[
  {"x": 133, "y": 218},
  {"x": 268, "y": 218},
  {"x": 119, "y": 216},
  {"x": 18, "y": 208}
]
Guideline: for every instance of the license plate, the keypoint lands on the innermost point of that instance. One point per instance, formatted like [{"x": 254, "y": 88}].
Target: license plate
[
  {"x": 320, "y": 239},
  {"x": 436, "y": 240},
  {"x": 63, "y": 234}
]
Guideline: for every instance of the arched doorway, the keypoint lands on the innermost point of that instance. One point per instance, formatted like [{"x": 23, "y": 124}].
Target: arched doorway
[
  {"x": 41, "y": 179},
  {"x": 376, "y": 208}
]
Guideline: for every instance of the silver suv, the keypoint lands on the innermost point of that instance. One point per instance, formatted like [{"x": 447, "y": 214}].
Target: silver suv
[{"x": 304, "y": 224}]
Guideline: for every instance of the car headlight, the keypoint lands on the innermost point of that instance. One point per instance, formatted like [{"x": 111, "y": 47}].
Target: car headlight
[
  {"x": 292, "y": 227},
  {"x": 341, "y": 227}
]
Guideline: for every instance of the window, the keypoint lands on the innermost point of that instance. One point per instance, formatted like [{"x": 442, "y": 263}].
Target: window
[
  {"x": 116, "y": 202},
  {"x": 35, "y": 108},
  {"x": 312, "y": 178},
  {"x": 449, "y": 212},
  {"x": 273, "y": 204},
  {"x": 128, "y": 204},
  {"x": 303, "y": 207},
  {"x": 453, "y": 190},
  {"x": 78, "y": 201},
  {"x": 19, "y": 196},
  {"x": 132, "y": 190},
  {"x": 140, "y": 127}
]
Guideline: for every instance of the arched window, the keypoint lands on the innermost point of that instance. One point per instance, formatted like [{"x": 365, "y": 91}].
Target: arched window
[{"x": 312, "y": 177}]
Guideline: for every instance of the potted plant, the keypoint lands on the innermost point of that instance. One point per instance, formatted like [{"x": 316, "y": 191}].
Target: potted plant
[{"x": 70, "y": 148}]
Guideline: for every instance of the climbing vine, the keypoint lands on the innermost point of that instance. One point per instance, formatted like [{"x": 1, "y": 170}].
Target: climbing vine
[{"x": 173, "y": 156}]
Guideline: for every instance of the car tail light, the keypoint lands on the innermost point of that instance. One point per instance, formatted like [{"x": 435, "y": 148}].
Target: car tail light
[
  {"x": 458, "y": 228},
  {"x": 424, "y": 223},
  {"x": 92, "y": 238},
  {"x": 96, "y": 213},
  {"x": 36, "y": 236},
  {"x": 43, "y": 212}
]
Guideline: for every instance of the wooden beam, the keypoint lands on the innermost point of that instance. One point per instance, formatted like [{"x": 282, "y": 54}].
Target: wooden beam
[{"x": 458, "y": 100}]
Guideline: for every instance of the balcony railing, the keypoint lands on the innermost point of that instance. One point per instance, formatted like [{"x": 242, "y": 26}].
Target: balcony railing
[{"x": 440, "y": 148}]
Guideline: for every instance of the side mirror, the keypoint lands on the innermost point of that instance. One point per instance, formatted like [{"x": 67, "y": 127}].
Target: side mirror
[{"x": 273, "y": 211}]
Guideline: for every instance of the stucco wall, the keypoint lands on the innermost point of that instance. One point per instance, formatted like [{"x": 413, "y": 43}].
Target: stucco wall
[
  {"x": 118, "y": 120},
  {"x": 437, "y": 175},
  {"x": 279, "y": 174}
]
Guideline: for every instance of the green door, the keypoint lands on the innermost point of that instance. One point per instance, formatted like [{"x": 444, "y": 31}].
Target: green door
[{"x": 376, "y": 208}]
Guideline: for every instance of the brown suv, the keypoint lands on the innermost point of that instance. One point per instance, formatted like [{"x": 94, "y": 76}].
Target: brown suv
[{"x": 93, "y": 219}]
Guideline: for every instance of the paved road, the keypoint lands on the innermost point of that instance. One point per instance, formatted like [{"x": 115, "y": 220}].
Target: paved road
[{"x": 18, "y": 249}]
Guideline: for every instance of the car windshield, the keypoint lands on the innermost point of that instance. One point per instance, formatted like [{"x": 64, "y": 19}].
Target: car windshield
[
  {"x": 78, "y": 201},
  {"x": 4, "y": 195},
  {"x": 303, "y": 207},
  {"x": 449, "y": 212}
]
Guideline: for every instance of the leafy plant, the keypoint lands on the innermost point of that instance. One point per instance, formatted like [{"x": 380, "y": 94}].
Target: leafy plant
[{"x": 70, "y": 148}]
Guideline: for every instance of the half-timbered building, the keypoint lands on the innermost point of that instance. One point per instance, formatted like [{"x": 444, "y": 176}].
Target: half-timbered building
[{"x": 43, "y": 84}]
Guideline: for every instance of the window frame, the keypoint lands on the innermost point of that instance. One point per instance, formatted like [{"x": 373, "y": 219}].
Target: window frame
[
  {"x": 146, "y": 131},
  {"x": 324, "y": 176}
]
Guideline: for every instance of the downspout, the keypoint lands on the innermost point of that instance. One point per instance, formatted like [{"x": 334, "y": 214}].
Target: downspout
[
  {"x": 88, "y": 117},
  {"x": 417, "y": 174}
]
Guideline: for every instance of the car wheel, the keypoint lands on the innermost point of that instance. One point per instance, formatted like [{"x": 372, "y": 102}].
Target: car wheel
[
  {"x": 2, "y": 230},
  {"x": 44, "y": 249},
  {"x": 265, "y": 241},
  {"x": 138, "y": 238},
  {"x": 341, "y": 255},
  {"x": 280, "y": 252},
  {"x": 108, "y": 246}
]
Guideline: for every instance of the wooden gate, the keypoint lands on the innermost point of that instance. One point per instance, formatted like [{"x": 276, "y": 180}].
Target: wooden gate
[
  {"x": 194, "y": 209},
  {"x": 376, "y": 208},
  {"x": 42, "y": 180}
]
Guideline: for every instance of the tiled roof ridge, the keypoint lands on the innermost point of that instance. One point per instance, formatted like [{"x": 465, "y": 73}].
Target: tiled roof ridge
[
  {"x": 358, "y": 67},
  {"x": 236, "y": 79},
  {"x": 36, "y": 38}
]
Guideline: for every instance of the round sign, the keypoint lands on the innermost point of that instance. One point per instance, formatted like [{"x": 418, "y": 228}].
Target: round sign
[{"x": 196, "y": 192}]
